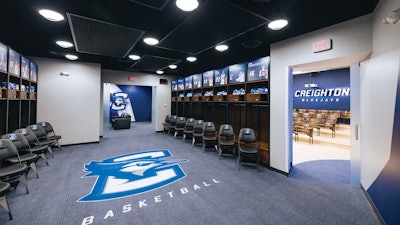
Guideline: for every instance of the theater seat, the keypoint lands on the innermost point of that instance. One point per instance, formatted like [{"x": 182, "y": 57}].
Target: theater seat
[{"x": 121, "y": 122}]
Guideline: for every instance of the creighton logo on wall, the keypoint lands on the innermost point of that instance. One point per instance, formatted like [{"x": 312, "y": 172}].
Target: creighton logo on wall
[{"x": 132, "y": 174}]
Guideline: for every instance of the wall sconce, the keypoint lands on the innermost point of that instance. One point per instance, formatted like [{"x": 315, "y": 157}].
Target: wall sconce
[{"x": 392, "y": 17}]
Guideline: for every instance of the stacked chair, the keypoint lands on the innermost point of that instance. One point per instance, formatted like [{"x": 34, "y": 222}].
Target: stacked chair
[
  {"x": 180, "y": 126},
  {"x": 209, "y": 136},
  {"x": 248, "y": 154},
  {"x": 226, "y": 140},
  {"x": 188, "y": 130},
  {"x": 19, "y": 152},
  {"x": 172, "y": 124},
  {"x": 197, "y": 131}
]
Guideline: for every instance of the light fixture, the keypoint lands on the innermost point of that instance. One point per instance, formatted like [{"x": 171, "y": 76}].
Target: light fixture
[
  {"x": 71, "y": 57},
  {"x": 392, "y": 17},
  {"x": 159, "y": 72},
  {"x": 64, "y": 44},
  {"x": 187, "y": 5},
  {"x": 134, "y": 57},
  {"x": 191, "y": 59},
  {"x": 277, "y": 24},
  {"x": 221, "y": 48},
  {"x": 150, "y": 41},
  {"x": 64, "y": 74},
  {"x": 51, "y": 15},
  {"x": 172, "y": 67}
]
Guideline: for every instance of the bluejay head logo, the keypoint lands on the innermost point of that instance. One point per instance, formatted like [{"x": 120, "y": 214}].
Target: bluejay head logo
[
  {"x": 131, "y": 174},
  {"x": 119, "y": 100}
]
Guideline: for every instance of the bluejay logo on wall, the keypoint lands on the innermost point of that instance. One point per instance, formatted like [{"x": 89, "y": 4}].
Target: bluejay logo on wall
[{"x": 132, "y": 174}]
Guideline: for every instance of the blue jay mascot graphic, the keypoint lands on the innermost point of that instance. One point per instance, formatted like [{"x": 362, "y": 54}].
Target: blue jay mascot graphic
[
  {"x": 120, "y": 103},
  {"x": 131, "y": 174}
]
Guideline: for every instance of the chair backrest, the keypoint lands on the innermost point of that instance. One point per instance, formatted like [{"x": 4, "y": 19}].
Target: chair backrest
[
  {"x": 226, "y": 130},
  {"x": 181, "y": 121},
  {"x": 247, "y": 135},
  {"x": 209, "y": 127},
  {"x": 47, "y": 127},
  {"x": 173, "y": 120},
  {"x": 167, "y": 118},
  {"x": 38, "y": 131},
  {"x": 19, "y": 141},
  {"x": 190, "y": 122},
  {"x": 28, "y": 134},
  {"x": 7, "y": 149},
  {"x": 198, "y": 126}
]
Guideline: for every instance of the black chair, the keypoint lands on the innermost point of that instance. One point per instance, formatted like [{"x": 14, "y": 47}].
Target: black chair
[
  {"x": 180, "y": 126},
  {"x": 166, "y": 122},
  {"x": 209, "y": 136},
  {"x": 188, "y": 130},
  {"x": 226, "y": 140},
  {"x": 248, "y": 152},
  {"x": 121, "y": 122},
  {"x": 4, "y": 189},
  {"x": 41, "y": 137},
  {"x": 25, "y": 155},
  {"x": 172, "y": 124},
  {"x": 11, "y": 173},
  {"x": 34, "y": 144},
  {"x": 197, "y": 131},
  {"x": 51, "y": 134}
]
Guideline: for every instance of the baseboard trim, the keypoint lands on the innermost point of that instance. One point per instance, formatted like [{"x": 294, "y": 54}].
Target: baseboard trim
[{"x": 376, "y": 211}]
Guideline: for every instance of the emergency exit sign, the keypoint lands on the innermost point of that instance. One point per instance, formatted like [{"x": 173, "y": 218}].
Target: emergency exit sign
[{"x": 322, "y": 45}]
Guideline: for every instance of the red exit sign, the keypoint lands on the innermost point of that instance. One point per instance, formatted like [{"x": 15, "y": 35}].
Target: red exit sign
[{"x": 322, "y": 45}]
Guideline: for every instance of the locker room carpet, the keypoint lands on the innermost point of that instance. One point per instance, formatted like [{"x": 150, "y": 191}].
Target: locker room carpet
[{"x": 212, "y": 192}]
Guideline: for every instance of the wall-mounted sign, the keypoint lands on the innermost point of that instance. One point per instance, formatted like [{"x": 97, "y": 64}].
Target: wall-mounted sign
[{"x": 322, "y": 45}]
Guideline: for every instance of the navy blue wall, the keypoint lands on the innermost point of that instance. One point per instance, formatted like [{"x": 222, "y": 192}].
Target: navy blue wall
[
  {"x": 140, "y": 97},
  {"x": 332, "y": 93}
]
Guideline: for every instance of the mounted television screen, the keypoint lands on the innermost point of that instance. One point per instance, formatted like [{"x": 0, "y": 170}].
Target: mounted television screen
[
  {"x": 33, "y": 72},
  {"x": 174, "y": 85},
  {"x": 14, "y": 63},
  {"x": 25, "y": 68},
  {"x": 208, "y": 78},
  {"x": 258, "y": 69},
  {"x": 181, "y": 84},
  {"x": 221, "y": 76},
  {"x": 237, "y": 73},
  {"x": 197, "y": 80},
  {"x": 3, "y": 58},
  {"x": 188, "y": 83}
]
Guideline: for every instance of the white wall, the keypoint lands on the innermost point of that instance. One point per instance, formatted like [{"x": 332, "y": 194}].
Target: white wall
[
  {"x": 70, "y": 103},
  {"x": 161, "y": 105},
  {"x": 378, "y": 94},
  {"x": 352, "y": 41}
]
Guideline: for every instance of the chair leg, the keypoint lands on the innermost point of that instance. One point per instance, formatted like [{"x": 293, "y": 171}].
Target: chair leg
[
  {"x": 4, "y": 203},
  {"x": 33, "y": 166},
  {"x": 51, "y": 151},
  {"x": 58, "y": 145},
  {"x": 43, "y": 156},
  {"x": 22, "y": 179}
]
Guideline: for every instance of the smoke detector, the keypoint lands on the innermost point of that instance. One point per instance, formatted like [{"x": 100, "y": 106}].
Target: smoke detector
[{"x": 392, "y": 17}]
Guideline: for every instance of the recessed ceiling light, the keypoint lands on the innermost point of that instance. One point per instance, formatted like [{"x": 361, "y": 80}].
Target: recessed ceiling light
[
  {"x": 150, "y": 41},
  {"x": 134, "y": 57},
  {"x": 221, "y": 48},
  {"x": 187, "y": 5},
  {"x": 64, "y": 44},
  {"x": 71, "y": 57},
  {"x": 159, "y": 72},
  {"x": 51, "y": 15},
  {"x": 173, "y": 67},
  {"x": 191, "y": 59},
  {"x": 277, "y": 24}
]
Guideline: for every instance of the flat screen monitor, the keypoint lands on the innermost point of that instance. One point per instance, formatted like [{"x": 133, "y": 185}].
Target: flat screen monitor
[
  {"x": 33, "y": 72},
  {"x": 258, "y": 69},
  {"x": 237, "y": 73},
  {"x": 3, "y": 58},
  {"x": 189, "y": 82},
  {"x": 221, "y": 76},
  {"x": 14, "y": 63},
  {"x": 197, "y": 80},
  {"x": 208, "y": 78},
  {"x": 181, "y": 84},
  {"x": 25, "y": 68},
  {"x": 174, "y": 85}
]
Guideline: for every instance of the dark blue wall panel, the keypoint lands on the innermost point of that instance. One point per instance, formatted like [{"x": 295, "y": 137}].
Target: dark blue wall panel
[{"x": 140, "y": 97}]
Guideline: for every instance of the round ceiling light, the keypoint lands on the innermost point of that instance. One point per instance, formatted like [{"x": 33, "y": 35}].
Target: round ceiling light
[
  {"x": 187, "y": 5},
  {"x": 159, "y": 72},
  {"x": 134, "y": 57},
  {"x": 172, "y": 67},
  {"x": 221, "y": 48},
  {"x": 51, "y": 15},
  {"x": 191, "y": 59},
  {"x": 64, "y": 44},
  {"x": 150, "y": 41},
  {"x": 277, "y": 24},
  {"x": 71, "y": 57}
]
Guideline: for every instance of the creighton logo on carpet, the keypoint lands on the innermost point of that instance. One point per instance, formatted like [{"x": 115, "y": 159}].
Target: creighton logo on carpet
[{"x": 132, "y": 174}]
